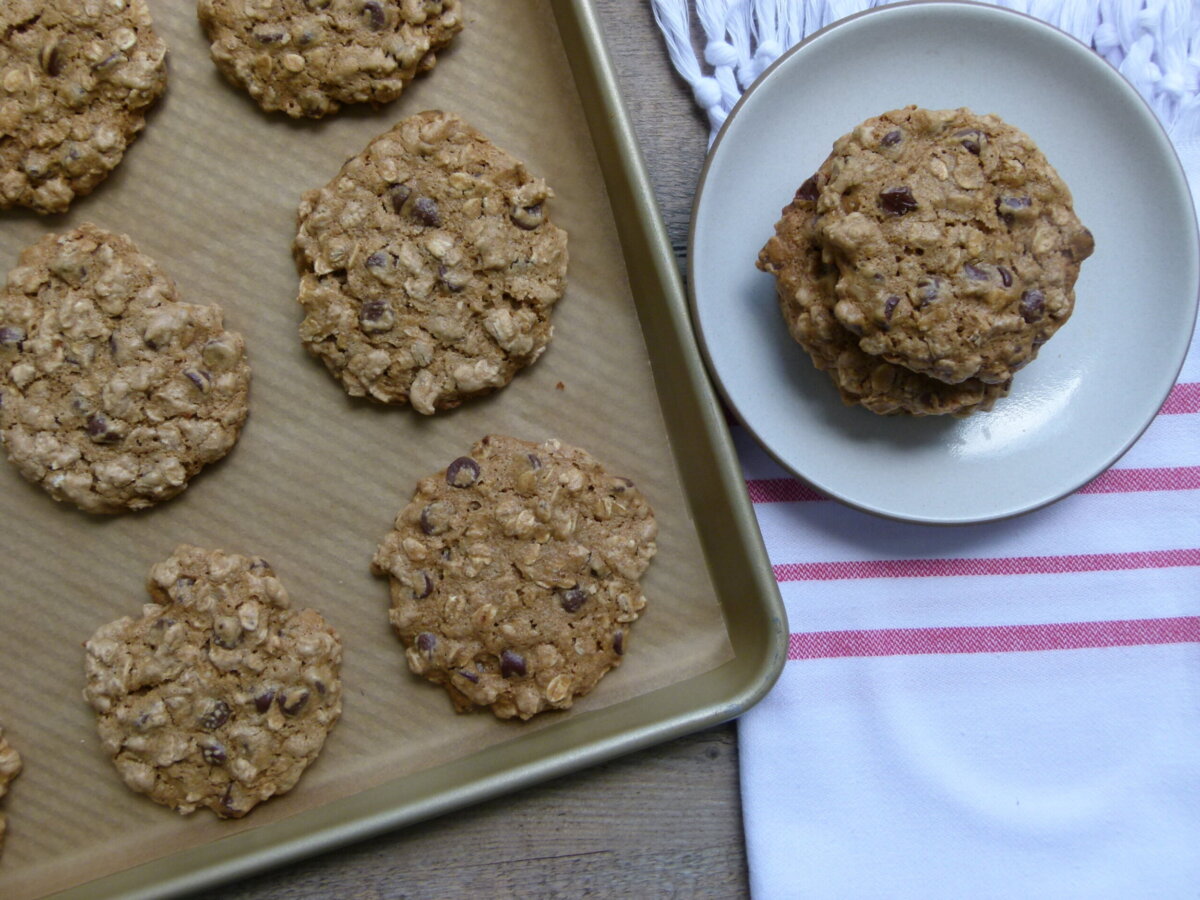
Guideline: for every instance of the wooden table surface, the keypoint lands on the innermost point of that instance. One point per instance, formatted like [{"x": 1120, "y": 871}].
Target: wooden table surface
[{"x": 665, "y": 822}]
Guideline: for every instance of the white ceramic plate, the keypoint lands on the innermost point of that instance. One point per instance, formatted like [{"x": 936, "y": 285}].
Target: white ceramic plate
[{"x": 1093, "y": 389}]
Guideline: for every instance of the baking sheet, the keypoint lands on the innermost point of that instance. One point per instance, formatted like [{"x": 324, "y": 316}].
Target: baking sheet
[{"x": 210, "y": 191}]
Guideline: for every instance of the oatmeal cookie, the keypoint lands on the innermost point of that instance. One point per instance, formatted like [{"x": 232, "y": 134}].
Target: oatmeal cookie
[
  {"x": 956, "y": 241},
  {"x": 113, "y": 392},
  {"x": 76, "y": 79},
  {"x": 514, "y": 575},
  {"x": 805, "y": 282},
  {"x": 307, "y": 57},
  {"x": 429, "y": 266},
  {"x": 10, "y": 768},
  {"x": 220, "y": 694}
]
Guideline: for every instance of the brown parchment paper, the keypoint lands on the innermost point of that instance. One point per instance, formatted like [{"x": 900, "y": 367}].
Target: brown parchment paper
[{"x": 210, "y": 190}]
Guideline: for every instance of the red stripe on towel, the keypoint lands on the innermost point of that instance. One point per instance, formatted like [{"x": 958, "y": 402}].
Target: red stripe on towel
[
  {"x": 992, "y": 638},
  {"x": 1128, "y": 481},
  {"x": 1184, "y": 398},
  {"x": 1005, "y": 565}
]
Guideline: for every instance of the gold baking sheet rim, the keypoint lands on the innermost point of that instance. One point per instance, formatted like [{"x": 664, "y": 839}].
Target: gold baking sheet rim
[{"x": 210, "y": 191}]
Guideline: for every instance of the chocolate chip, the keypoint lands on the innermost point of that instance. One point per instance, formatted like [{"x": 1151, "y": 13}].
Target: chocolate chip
[
  {"x": 262, "y": 701},
  {"x": 426, "y": 587},
  {"x": 269, "y": 36},
  {"x": 399, "y": 194},
  {"x": 1013, "y": 203},
  {"x": 889, "y": 306},
  {"x": 511, "y": 664},
  {"x": 108, "y": 62},
  {"x": 454, "y": 279},
  {"x": 534, "y": 462},
  {"x": 928, "y": 289},
  {"x": 292, "y": 701},
  {"x": 809, "y": 191},
  {"x": 51, "y": 59},
  {"x": 102, "y": 431},
  {"x": 217, "y": 715},
  {"x": 572, "y": 599},
  {"x": 201, "y": 379},
  {"x": 426, "y": 641},
  {"x": 377, "y": 260},
  {"x": 227, "y": 803},
  {"x": 975, "y": 273},
  {"x": 376, "y": 315},
  {"x": 1033, "y": 304},
  {"x": 1005, "y": 276},
  {"x": 892, "y": 138},
  {"x": 971, "y": 139},
  {"x": 528, "y": 217},
  {"x": 375, "y": 16},
  {"x": 11, "y": 336},
  {"x": 897, "y": 201},
  {"x": 469, "y": 675},
  {"x": 213, "y": 753},
  {"x": 619, "y": 642},
  {"x": 425, "y": 211},
  {"x": 462, "y": 473}
]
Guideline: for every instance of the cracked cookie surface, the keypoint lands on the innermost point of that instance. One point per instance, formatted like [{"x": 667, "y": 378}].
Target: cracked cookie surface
[
  {"x": 429, "y": 267},
  {"x": 10, "y": 768},
  {"x": 956, "y": 241},
  {"x": 514, "y": 575},
  {"x": 805, "y": 282},
  {"x": 308, "y": 57},
  {"x": 76, "y": 80},
  {"x": 221, "y": 694},
  {"x": 113, "y": 392}
]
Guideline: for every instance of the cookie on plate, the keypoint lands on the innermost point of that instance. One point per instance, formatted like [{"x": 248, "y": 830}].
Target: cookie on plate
[
  {"x": 10, "y": 768},
  {"x": 805, "y": 282},
  {"x": 113, "y": 392},
  {"x": 429, "y": 266},
  {"x": 514, "y": 575},
  {"x": 76, "y": 80},
  {"x": 220, "y": 694},
  {"x": 308, "y": 57},
  {"x": 956, "y": 242}
]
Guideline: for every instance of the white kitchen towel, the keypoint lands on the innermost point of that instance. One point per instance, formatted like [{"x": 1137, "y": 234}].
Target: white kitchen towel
[{"x": 1002, "y": 710}]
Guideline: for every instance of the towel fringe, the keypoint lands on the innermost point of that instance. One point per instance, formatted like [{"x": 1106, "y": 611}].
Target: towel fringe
[{"x": 1155, "y": 44}]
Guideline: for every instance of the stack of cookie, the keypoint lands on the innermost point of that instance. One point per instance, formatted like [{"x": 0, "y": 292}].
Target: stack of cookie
[{"x": 928, "y": 259}]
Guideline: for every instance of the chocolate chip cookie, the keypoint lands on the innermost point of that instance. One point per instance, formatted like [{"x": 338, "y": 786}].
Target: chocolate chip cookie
[
  {"x": 514, "y": 575},
  {"x": 113, "y": 392},
  {"x": 956, "y": 242},
  {"x": 220, "y": 694},
  {"x": 429, "y": 266},
  {"x": 308, "y": 57},
  {"x": 10, "y": 768},
  {"x": 76, "y": 80},
  {"x": 805, "y": 282}
]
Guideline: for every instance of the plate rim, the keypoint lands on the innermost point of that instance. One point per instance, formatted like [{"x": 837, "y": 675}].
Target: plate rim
[{"x": 703, "y": 344}]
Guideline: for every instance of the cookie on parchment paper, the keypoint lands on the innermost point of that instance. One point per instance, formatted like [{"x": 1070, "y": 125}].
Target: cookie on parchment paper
[
  {"x": 308, "y": 57},
  {"x": 429, "y": 266},
  {"x": 514, "y": 575},
  {"x": 10, "y": 768},
  {"x": 76, "y": 80},
  {"x": 220, "y": 694},
  {"x": 113, "y": 392},
  {"x": 805, "y": 283},
  {"x": 957, "y": 243}
]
